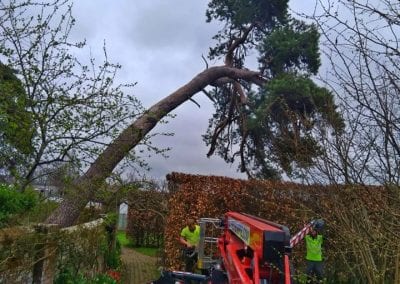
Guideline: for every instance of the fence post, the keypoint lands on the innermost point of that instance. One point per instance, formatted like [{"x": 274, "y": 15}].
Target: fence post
[{"x": 45, "y": 256}]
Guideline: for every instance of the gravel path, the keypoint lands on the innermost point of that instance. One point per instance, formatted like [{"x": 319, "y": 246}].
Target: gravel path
[{"x": 138, "y": 268}]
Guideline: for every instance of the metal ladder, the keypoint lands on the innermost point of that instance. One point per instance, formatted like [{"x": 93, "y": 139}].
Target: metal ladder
[{"x": 210, "y": 230}]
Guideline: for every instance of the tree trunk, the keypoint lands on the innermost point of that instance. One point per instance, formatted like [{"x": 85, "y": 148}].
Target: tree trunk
[{"x": 87, "y": 184}]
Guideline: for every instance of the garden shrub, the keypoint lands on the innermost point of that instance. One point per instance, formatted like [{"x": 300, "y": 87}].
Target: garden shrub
[
  {"x": 68, "y": 277},
  {"x": 13, "y": 202},
  {"x": 146, "y": 216},
  {"x": 113, "y": 257},
  {"x": 112, "y": 249}
]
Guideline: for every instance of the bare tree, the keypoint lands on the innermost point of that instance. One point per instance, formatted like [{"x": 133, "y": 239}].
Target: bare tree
[{"x": 361, "y": 46}]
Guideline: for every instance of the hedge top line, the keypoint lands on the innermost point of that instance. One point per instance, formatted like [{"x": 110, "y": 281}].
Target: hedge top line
[{"x": 176, "y": 178}]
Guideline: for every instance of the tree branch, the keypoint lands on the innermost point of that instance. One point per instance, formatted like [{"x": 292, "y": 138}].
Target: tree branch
[{"x": 88, "y": 184}]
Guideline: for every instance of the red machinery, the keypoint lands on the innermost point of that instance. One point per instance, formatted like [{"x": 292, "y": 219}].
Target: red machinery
[
  {"x": 249, "y": 250},
  {"x": 254, "y": 250}
]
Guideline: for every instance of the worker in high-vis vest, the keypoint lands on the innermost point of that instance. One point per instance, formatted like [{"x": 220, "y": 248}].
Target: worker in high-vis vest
[
  {"x": 315, "y": 265},
  {"x": 190, "y": 236}
]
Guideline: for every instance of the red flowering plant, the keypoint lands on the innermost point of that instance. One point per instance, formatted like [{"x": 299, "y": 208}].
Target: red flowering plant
[{"x": 114, "y": 274}]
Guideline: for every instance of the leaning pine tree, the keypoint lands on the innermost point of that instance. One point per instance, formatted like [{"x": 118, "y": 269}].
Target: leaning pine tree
[{"x": 269, "y": 115}]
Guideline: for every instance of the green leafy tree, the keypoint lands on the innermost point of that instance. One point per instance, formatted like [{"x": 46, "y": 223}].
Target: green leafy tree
[
  {"x": 13, "y": 202},
  {"x": 72, "y": 106},
  {"x": 270, "y": 128},
  {"x": 16, "y": 125},
  {"x": 259, "y": 112}
]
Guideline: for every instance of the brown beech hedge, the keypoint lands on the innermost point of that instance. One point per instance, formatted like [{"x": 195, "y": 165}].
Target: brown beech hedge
[{"x": 287, "y": 203}]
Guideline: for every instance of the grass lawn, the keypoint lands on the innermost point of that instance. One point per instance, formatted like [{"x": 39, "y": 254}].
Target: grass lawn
[
  {"x": 126, "y": 242},
  {"x": 123, "y": 239}
]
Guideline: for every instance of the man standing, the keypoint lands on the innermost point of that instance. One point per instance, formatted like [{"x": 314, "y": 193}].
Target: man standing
[
  {"x": 314, "y": 255},
  {"x": 190, "y": 236}
]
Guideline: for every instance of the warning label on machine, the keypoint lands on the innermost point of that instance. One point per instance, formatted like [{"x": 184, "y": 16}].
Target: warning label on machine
[{"x": 242, "y": 231}]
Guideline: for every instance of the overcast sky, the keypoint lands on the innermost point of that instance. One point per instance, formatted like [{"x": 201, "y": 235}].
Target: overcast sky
[{"x": 159, "y": 44}]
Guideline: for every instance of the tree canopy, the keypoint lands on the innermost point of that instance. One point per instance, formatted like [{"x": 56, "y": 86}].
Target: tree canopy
[
  {"x": 74, "y": 106},
  {"x": 269, "y": 128},
  {"x": 16, "y": 125}
]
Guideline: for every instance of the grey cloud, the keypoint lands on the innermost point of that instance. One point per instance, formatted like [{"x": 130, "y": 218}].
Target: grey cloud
[
  {"x": 188, "y": 152},
  {"x": 159, "y": 44}
]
